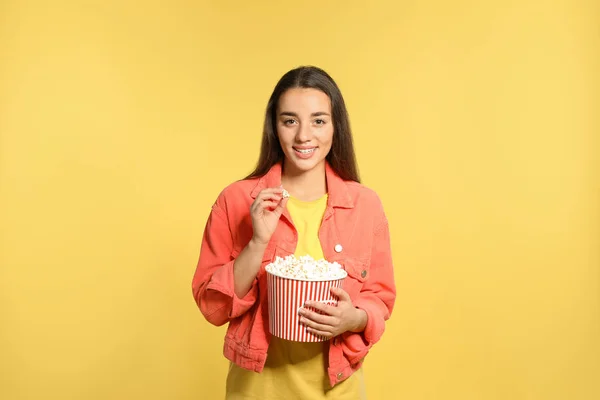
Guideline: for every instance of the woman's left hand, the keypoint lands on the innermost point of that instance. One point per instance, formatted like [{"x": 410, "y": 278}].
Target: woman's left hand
[{"x": 335, "y": 320}]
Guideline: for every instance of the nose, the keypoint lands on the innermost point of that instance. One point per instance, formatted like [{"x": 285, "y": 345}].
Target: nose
[{"x": 303, "y": 134}]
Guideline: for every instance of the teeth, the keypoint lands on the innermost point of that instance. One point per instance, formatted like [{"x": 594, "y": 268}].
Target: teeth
[{"x": 305, "y": 151}]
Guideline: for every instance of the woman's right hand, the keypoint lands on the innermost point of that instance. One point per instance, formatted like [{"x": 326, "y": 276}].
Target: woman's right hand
[{"x": 265, "y": 212}]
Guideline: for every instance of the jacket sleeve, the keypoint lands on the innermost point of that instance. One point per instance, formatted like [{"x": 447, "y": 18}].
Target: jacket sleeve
[
  {"x": 376, "y": 298},
  {"x": 213, "y": 283}
]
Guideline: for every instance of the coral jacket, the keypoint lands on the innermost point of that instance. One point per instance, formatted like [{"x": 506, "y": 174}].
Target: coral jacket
[{"x": 354, "y": 232}]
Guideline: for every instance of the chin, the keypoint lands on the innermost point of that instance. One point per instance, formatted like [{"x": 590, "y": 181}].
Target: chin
[{"x": 305, "y": 165}]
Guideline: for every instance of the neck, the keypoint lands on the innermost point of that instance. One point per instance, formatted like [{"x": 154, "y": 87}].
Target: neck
[{"x": 305, "y": 185}]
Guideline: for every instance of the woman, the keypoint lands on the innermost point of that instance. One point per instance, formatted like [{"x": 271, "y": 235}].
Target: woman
[{"x": 306, "y": 149}]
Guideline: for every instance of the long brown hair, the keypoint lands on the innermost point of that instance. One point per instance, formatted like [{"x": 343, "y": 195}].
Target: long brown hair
[{"x": 341, "y": 157}]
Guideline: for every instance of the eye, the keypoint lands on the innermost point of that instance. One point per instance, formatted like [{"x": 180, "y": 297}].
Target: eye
[
  {"x": 289, "y": 121},
  {"x": 320, "y": 121}
]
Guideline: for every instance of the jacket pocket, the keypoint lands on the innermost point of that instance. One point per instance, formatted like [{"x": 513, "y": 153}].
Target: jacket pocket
[{"x": 358, "y": 273}]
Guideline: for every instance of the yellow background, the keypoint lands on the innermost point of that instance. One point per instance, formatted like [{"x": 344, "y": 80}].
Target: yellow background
[{"x": 476, "y": 122}]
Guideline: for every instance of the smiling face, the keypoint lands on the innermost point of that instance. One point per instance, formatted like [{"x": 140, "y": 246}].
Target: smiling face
[{"x": 304, "y": 129}]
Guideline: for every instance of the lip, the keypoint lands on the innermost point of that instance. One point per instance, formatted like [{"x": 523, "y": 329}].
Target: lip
[
  {"x": 304, "y": 147},
  {"x": 304, "y": 156}
]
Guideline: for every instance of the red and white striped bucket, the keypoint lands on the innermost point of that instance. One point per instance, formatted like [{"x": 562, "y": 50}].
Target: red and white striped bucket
[{"x": 287, "y": 296}]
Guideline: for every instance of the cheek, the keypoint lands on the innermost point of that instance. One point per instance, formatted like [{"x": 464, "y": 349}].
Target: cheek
[
  {"x": 327, "y": 138},
  {"x": 284, "y": 135}
]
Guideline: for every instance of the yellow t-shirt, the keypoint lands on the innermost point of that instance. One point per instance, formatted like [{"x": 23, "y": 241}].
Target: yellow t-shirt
[{"x": 296, "y": 370}]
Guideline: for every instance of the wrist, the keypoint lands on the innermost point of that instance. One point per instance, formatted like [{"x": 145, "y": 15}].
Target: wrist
[
  {"x": 257, "y": 245},
  {"x": 361, "y": 321}
]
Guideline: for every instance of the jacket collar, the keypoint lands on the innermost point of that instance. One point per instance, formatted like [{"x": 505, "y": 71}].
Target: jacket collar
[{"x": 338, "y": 194}]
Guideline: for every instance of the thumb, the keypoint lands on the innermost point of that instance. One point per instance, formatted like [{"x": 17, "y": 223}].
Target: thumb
[
  {"x": 281, "y": 206},
  {"x": 341, "y": 294}
]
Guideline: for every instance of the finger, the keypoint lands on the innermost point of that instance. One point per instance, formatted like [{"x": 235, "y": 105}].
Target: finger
[
  {"x": 259, "y": 202},
  {"x": 324, "y": 308},
  {"x": 281, "y": 206},
  {"x": 326, "y": 335},
  {"x": 340, "y": 293},
  {"x": 268, "y": 196},
  {"x": 270, "y": 191},
  {"x": 316, "y": 317},
  {"x": 316, "y": 326},
  {"x": 269, "y": 205}
]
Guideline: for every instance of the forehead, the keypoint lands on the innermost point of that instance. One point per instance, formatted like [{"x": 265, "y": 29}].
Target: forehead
[{"x": 304, "y": 100}]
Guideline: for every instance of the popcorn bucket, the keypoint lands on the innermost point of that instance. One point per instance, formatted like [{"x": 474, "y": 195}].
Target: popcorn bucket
[{"x": 287, "y": 296}]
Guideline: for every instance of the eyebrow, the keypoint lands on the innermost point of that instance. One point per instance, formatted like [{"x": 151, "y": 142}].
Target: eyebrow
[{"x": 293, "y": 114}]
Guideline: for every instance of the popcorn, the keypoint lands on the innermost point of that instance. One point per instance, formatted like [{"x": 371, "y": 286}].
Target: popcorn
[
  {"x": 285, "y": 193},
  {"x": 306, "y": 268}
]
